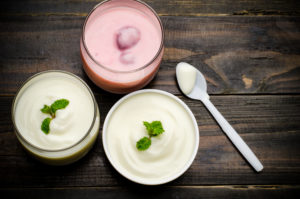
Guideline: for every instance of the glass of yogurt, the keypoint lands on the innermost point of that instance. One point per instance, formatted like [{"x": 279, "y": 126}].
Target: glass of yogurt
[
  {"x": 72, "y": 130},
  {"x": 122, "y": 45},
  {"x": 169, "y": 155}
]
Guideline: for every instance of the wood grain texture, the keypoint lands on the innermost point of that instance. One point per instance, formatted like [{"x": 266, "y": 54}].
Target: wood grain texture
[
  {"x": 162, "y": 7},
  {"x": 237, "y": 55},
  {"x": 270, "y": 125},
  {"x": 196, "y": 192}
]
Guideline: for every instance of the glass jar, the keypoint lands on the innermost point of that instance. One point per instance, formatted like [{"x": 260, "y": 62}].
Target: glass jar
[
  {"x": 107, "y": 77},
  {"x": 53, "y": 156}
]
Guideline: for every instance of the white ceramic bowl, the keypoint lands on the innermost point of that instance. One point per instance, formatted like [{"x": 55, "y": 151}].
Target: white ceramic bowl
[{"x": 144, "y": 181}]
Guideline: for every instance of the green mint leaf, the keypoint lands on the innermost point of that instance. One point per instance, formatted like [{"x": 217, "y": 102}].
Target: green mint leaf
[
  {"x": 143, "y": 144},
  {"x": 46, "y": 109},
  {"x": 46, "y": 125},
  {"x": 148, "y": 126},
  {"x": 59, "y": 104},
  {"x": 157, "y": 128},
  {"x": 154, "y": 128}
]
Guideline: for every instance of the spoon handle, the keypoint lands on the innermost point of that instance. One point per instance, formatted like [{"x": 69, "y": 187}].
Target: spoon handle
[{"x": 234, "y": 136}]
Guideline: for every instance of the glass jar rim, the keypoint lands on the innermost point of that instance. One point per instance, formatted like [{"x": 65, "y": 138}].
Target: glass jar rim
[
  {"x": 129, "y": 71},
  {"x": 15, "y": 102}
]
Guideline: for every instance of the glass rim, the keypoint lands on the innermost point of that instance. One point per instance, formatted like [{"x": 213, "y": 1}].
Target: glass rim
[
  {"x": 19, "y": 135},
  {"x": 129, "y": 71}
]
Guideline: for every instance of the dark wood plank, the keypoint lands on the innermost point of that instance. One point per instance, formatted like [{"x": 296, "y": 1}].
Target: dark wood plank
[
  {"x": 207, "y": 192},
  {"x": 236, "y": 54},
  {"x": 163, "y": 7},
  {"x": 269, "y": 124}
]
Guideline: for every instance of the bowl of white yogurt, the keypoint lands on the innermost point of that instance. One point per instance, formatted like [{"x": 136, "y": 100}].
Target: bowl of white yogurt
[
  {"x": 56, "y": 117},
  {"x": 170, "y": 154}
]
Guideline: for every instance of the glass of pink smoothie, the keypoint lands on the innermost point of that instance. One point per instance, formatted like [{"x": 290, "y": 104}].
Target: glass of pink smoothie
[{"x": 122, "y": 45}]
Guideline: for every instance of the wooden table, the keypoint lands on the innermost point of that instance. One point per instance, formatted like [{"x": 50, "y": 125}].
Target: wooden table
[{"x": 249, "y": 52}]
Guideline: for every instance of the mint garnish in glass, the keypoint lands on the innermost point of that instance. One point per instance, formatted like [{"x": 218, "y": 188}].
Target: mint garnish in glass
[{"x": 51, "y": 110}]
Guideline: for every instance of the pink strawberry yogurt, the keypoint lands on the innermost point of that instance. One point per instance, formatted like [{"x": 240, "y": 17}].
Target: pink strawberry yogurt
[{"x": 122, "y": 45}]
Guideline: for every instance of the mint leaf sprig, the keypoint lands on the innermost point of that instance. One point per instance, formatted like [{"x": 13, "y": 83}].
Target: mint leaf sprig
[
  {"x": 51, "y": 110},
  {"x": 154, "y": 129}
]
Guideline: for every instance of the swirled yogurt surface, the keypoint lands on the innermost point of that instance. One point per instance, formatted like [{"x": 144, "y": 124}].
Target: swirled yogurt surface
[
  {"x": 70, "y": 124},
  {"x": 169, "y": 152}
]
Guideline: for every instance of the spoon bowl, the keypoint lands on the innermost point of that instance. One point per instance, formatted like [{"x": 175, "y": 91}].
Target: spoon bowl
[{"x": 183, "y": 71}]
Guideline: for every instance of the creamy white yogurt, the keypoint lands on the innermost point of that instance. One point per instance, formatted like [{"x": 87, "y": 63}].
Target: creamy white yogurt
[
  {"x": 169, "y": 155},
  {"x": 78, "y": 122},
  {"x": 186, "y": 76}
]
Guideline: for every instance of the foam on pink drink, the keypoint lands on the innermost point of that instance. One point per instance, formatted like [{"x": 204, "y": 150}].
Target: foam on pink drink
[
  {"x": 122, "y": 38},
  {"x": 127, "y": 37}
]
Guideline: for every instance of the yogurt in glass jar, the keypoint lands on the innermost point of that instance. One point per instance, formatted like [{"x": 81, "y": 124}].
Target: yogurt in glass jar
[
  {"x": 122, "y": 45},
  {"x": 74, "y": 128}
]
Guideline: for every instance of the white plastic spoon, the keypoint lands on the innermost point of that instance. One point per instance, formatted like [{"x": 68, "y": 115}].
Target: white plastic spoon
[{"x": 192, "y": 83}]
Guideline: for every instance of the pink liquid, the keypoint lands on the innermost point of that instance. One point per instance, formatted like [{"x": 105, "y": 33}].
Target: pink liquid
[{"x": 123, "y": 45}]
